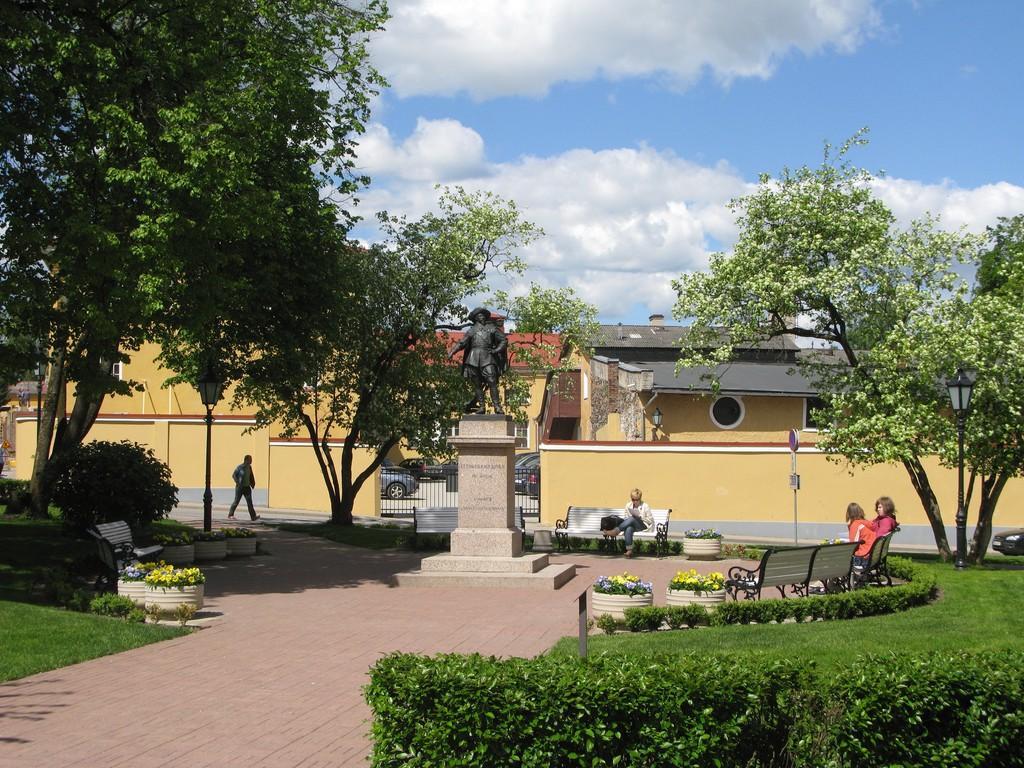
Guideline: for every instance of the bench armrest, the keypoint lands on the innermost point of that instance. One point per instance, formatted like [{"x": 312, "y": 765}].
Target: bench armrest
[{"x": 559, "y": 524}]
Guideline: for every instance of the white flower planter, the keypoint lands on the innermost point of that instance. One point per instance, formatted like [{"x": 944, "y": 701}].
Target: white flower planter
[
  {"x": 689, "y": 597},
  {"x": 184, "y": 554},
  {"x": 136, "y": 590},
  {"x": 211, "y": 550},
  {"x": 169, "y": 598},
  {"x": 241, "y": 547},
  {"x": 615, "y": 605},
  {"x": 702, "y": 549}
]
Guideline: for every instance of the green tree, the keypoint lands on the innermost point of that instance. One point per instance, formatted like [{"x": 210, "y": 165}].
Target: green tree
[
  {"x": 373, "y": 369},
  {"x": 156, "y": 159},
  {"x": 819, "y": 256},
  {"x": 990, "y": 334}
]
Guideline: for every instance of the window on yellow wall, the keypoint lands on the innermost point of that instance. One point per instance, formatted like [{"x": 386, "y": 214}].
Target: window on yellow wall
[
  {"x": 117, "y": 371},
  {"x": 522, "y": 434},
  {"x": 727, "y": 412},
  {"x": 810, "y": 405}
]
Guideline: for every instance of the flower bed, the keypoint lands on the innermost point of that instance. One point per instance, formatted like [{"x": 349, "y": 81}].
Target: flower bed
[
  {"x": 168, "y": 587},
  {"x": 702, "y": 543},
  {"x": 178, "y": 547},
  {"x": 131, "y": 582},
  {"x": 210, "y": 545},
  {"x": 614, "y": 594},
  {"x": 240, "y": 541},
  {"x": 692, "y": 588}
]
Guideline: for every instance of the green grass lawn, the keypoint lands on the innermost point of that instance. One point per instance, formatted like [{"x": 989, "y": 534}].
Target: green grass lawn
[
  {"x": 36, "y": 638},
  {"x": 978, "y": 609}
]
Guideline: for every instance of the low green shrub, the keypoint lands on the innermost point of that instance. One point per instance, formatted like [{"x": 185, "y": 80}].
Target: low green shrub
[
  {"x": 962, "y": 709},
  {"x": 11, "y": 489},
  {"x": 942, "y": 709},
  {"x": 919, "y": 589},
  {"x": 112, "y": 604},
  {"x": 644, "y": 619},
  {"x": 678, "y": 616},
  {"x": 608, "y": 624},
  {"x": 553, "y": 711}
]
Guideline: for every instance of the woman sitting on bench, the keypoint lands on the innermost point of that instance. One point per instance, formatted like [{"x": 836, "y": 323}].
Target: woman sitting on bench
[{"x": 638, "y": 518}]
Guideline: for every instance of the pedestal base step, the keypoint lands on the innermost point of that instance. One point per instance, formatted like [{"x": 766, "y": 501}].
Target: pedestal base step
[
  {"x": 551, "y": 577},
  {"x": 484, "y": 563}
]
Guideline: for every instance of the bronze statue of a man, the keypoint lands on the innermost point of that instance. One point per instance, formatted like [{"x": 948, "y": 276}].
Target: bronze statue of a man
[{"x": 486, "y": 358}]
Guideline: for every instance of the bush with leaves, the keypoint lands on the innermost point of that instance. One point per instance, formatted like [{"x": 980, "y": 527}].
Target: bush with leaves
[
  {"x": 112, "y": 604},
  {"x": 101, "y": 482},
  {"x": 627, "y": 710}
]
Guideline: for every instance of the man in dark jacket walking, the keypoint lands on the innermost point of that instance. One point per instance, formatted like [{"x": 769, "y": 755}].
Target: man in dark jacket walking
[{"x": 245, "y": 481}]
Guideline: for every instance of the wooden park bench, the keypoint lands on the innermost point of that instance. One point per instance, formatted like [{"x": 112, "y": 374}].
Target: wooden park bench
[
  {"x": 585, "y": 523},
  {"x": 877, "y": 568},
  {"x": 117, "y": 549},
  {"x": 830, "y": 567},
  {"x": 779, "y": 568},
  {"x": 444, "y": 520}
]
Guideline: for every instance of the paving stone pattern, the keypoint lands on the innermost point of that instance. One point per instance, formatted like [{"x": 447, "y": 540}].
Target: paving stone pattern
[{"x": 275, "y": 676}]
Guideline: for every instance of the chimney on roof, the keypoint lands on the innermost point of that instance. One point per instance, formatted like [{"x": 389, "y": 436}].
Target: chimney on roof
[
  {"x": 622, "y": 334},
  {"x": 656, "y": 320}
]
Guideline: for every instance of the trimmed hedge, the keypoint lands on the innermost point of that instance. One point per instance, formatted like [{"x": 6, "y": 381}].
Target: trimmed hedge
[
  {"x": 944, "y": 709},
  {"x": 920, "y": 588},
  {"x": 951, "y": 709},
  {"x": 610, "y": 710}
]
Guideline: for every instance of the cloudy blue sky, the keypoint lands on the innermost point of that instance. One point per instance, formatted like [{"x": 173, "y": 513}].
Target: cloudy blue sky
[{"x": 624, "y": 128}]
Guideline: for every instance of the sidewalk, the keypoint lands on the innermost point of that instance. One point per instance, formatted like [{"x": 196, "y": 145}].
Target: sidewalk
[{"x": 275, "y": 678}]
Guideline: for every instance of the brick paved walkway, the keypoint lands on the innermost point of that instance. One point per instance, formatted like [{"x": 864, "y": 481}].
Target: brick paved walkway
[{"x": 275, "y": 678}]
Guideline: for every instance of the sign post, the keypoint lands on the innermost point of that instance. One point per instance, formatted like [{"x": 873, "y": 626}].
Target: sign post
[{"x": 794, "y": 478}]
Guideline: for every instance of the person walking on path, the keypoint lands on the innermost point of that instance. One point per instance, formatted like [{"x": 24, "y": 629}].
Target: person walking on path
[
  {"x": 245, "y": 481},
  {"x": 3, "y": 456}
]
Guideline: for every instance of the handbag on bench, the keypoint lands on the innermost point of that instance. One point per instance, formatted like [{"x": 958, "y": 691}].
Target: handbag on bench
[{"x": 610, "y": 522}]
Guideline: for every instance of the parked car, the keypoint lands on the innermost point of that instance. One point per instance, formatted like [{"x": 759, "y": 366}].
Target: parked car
[
  {"x": 1009, "y": 542},
  {"x": 527, "y": 470},
  {"x": 416, "y": 465},
  {"x": 440, "y": 471},
  {"x": 396, "y": 482}
]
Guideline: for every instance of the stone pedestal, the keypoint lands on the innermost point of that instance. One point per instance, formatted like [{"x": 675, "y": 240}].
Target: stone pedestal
[{"x": 487, "y": 548}]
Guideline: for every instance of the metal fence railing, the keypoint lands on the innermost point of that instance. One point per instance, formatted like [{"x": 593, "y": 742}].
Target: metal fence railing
[{"x": 442, "y": 490}]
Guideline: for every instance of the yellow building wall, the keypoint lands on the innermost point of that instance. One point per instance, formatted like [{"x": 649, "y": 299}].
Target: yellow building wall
[
  {"x": 708, "y": 482},
  {"x": 287, "y": 471}
]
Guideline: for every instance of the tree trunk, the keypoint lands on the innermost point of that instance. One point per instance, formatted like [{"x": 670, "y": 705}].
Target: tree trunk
[
  {"x": 919, "y": 478},
  {"x": 991, "y": 488},
  {"x": 322, "y": 451},
  {"x": 57, "y": 433}
]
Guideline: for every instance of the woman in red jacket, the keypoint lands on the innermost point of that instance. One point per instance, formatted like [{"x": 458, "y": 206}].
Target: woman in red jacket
[
  {"x": 860, "y": 530},
  {"x": 885, "y": 522}
]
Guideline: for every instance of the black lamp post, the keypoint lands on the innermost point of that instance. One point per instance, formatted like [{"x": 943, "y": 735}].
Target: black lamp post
[
  {"x": 656, "y": 419},
  {"x": 960, "y": 397},
  {"x": 210, "y": 388}
]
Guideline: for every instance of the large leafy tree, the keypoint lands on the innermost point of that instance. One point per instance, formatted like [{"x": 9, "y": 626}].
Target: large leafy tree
[
  {"x": 158, "y": 161},
  {"x": 373, "y": 369},
  {"x": 819, "y": 256},
  {"x": 990, "y": 339}
]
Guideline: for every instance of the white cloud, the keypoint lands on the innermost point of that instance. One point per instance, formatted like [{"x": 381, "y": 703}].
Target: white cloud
[
  {"x": 621, "y": 223},
  {"x": 438, "y": 150},
  {"x": 956, "y": 207},
  {"x": 492, "y": 48}
]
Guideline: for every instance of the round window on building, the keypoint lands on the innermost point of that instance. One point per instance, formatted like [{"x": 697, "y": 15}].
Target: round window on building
[{"x": 727, "y": 412}]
